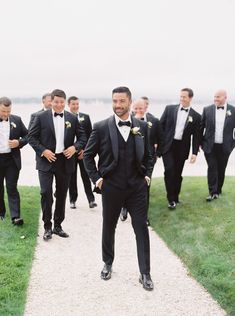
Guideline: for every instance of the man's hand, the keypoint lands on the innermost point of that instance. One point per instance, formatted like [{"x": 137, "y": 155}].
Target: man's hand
[
  {"x": 193, "y": 158},
  {"x": 49, "y": 155},
  {"x": 99, "y": 183},
  {"x": 80, "y": 155},
  {"x": 14, "y": 143},
  {"x": 69, "y": 152},
  {"x": 148, "y": 180}
]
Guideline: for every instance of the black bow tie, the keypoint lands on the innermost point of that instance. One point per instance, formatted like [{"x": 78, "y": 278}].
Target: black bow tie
[
  {"x": 220, "y": 107},
  {"x": 183, "y": 109},
  {"x": 1, "y": 120},
  {"x": 127, "y": 123},
  {"x": 142, "y": 119},
  {"x": 60, "y": 114}
]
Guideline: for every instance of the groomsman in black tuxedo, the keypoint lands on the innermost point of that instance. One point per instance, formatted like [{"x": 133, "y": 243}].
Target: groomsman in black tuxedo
[
  {"x": 218, "y": 140},
  {"x": 46, "y": 101},
  {"x": 85, "y": 122},
  {"x": 123, "y": 174},
  {"x": 181, "y": 126},
  {"x": 52, "y": 137},
  {"x": 13, "y": 136}
]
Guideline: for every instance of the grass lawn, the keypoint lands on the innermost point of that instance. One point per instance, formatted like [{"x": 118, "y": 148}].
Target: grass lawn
[
  {"x": 202, "y": 234},
  {"x": 16, "y": 253}
]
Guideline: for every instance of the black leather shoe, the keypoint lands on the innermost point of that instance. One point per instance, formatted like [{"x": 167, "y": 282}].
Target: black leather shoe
[
  {"x": 106, "y": 273},
  {"x": 212, "y": 197},
  {"x": 123, "y": 214},
  {"x": 172, "y": 205},
  {"x": 47, "y": 234},
  {"x": 73, "y": 205},
  {"x": 92, "y": 204},
  {"x": 59, "y": 231},
  {"x": 146, "y": 281},
  {"x": 18, "y": 221}
]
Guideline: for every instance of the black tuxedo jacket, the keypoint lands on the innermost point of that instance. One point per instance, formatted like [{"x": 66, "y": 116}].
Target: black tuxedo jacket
[
  {"x": 32, "y": 118},
  {"x": 85, "y": 122},
  {"x": 191, "y": 129},
  {"x": 104, "y": 142},
  {"x": 208, "y": 129},
  {"x": 17, "y": 131},
  {"x": 42, "y": 136},
  {"x": 155, "y": 134}
]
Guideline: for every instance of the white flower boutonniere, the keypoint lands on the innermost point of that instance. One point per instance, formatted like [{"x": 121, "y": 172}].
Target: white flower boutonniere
[
  {"x": 190, "y": 119},
  {"x": 13, "y": 125},
  {"x": 228, "y": 113},
  {"x": 67, "y": 124},
  {"x": 81, "y": 119},
  {"x": 135, "y": 131},
  {"x": 150, "y": 124}
]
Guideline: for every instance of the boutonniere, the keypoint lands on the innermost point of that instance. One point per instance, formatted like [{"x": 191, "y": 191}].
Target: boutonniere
[
  {"x": 228, "y": 113},
  {"x": 150, "y": 124},
  {"x": 13, "y": 125},
  {"x": 67, "y": 124},
  {"x": 135, "y": 131},
  {"x": 190, "y": 119},
  {"x": 81, "y": 119}
]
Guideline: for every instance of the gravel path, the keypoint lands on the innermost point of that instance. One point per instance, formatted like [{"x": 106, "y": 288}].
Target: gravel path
[{"x": 65, "y": 277}]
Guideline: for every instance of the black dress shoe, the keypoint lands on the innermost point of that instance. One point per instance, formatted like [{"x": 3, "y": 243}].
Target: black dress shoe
[
  {"x": 172, "y": 205},
  {"x": 47, "y": 234},
  {"x": 18, "y": 221},
  {"x": 123, "y": 214},
  {"x": 92, "y": 204},
  {"x": 212, "y": 197},
  {"x": 59, "y": 231},
  {"x": 73, "y": 205},
  {"x": 146, "y": 281},
  {"x": 106, "y": 273}
]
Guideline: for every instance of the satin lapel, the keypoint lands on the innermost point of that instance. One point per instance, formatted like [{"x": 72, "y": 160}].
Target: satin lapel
[
  {"x": 12, "y": 128},
  {"x": 187, "y": 120},
  {"x": 175, "y": 115},
  {"x": 50, "y": 121},
  {"x": 113, "y": 136},
  {"x": 227, "y": 115},
  {"x": 212, "y": 114},
  {"x": 65, "y": 129},
  {"x": 139, "y": 141}
]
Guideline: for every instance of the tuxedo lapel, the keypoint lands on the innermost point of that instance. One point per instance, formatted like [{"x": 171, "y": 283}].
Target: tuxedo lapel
[
  {"x": 50, "y": 121},
  {"x": 190, "y": 113},
  {"x": 139, "y": 142},
  {"x": 175, "y": 114},
  {"x": 113, "y": 136},
  {"x": 212, "y": 115},
  {"x": 13, "y": 127},
  {"x": 65, "y": 128},
  {"x": 227, "y": 116}
]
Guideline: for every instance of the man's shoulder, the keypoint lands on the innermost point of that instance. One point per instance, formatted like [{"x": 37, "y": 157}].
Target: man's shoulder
[
  {"x": 84, "y": 114},
  {"x": 195, "y": 113},
  {"x": 103, "y": 123},
  {"x": 171, "y": 107},
  {"x": 152, "y": 118}
]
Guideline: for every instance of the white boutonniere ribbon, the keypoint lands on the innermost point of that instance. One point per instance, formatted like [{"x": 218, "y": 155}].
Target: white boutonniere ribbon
[
  {"x": 81, "y": 119},
  {"x": 150, "y": 124},
  {"x": 190, "y": 119},
  {"x": 13, "y": 125},
  {"x": 67, "y": 124},
  {"x": 228, "y": 113}
]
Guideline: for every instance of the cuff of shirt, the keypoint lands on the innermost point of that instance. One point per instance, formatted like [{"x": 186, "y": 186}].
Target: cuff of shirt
[{"x": 98, "y": 181}]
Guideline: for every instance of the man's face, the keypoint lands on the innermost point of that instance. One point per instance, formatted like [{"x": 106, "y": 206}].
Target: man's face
[
  {"x": 74, "y": 106},
  {"x": 185, "y": 100},
  {"x": 5, "y": 111},
  {"x": 146, "y": 105},
  {"x": 220, "y": 98},
  {"x": 58, "y": 104},
  {"x": 140, "y": 110},
  {"x": 121, "y": 104},
  {"x": 47, "y": 102}
]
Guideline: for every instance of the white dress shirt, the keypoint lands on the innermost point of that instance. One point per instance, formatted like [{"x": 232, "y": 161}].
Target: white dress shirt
[
  {"x": 4, "y": 137},
  {"x": 59, "y": 132},
  {"x": 219, "y": 124},
  {"x": 124, "y": 130},
  {"x": 180, "y": 122}
]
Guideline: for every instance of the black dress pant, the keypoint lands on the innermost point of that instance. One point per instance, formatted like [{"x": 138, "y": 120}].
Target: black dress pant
[
  {"x": 62, "y": 183},
  {"x": 9, "y": 172},
  {"x": 73, "y": 189},
  {"x": 174, "y": 161},
  {"x": 217, "y": 162},
  {"x": 135, "y": 199}
]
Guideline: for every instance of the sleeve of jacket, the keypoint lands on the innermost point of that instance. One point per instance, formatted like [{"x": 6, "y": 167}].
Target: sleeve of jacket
[
  {"x": 202, "y": 126},
  {"x": 81, "y": 138},
  {"x": 148, "y": 159},
  {"x": 159, "y": 138},
  {"x": 23, "y": 140},
  {"x": 34, "y": 136},
  {"x": 196, "y": 135},
  {"x": 90, "y": 152}
]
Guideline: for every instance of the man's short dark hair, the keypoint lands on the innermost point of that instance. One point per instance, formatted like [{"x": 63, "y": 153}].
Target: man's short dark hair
[
  {"x": 190, "y": 91},
  {"x": 58, "y": 93},
  {"x": 145, "y": 98},
  {"x": 72, "y": 98},
  {"x": 122, "y": 90},
  {"x": 5, "y": 101},
  {"x": 45, "y": 96}
]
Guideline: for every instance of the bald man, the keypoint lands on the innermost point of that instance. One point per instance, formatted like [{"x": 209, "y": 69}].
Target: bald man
[{"x": 217, "y": 140}]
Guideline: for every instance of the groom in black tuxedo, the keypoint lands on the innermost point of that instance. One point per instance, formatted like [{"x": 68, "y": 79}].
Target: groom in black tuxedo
[
  {"x": 181, "y": 126},
  {"x": 52, "y": 136},
  {"x": 218, "y": 141},
  {"x": 13, "y": 136},
  {"x": 123, "y": 174}
]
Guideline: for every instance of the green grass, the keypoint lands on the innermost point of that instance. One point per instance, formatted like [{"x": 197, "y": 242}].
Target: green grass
[
  {"x": 16, "y": 253},
  {"x": 202, "y": 234}
]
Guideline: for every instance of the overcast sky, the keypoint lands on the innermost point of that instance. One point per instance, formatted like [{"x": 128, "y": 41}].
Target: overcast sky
[{"x": 88, "y": 47}]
